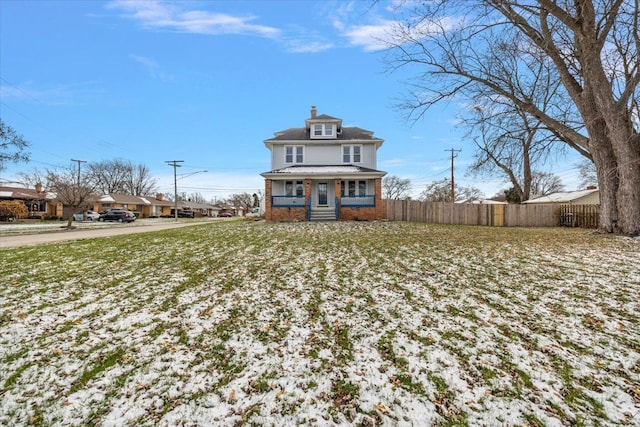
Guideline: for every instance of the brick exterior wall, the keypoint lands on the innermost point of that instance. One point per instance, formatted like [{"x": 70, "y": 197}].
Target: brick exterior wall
[
  {"x": 288, "y": 214},
  {"x": 267, "y": 200},
  {"x": 344, "y": 213}
]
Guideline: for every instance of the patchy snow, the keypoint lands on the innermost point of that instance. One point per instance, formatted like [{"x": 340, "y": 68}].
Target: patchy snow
[{"x": 323, "y": 324}]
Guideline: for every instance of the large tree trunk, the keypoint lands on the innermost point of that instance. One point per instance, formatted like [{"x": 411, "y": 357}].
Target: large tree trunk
[
  {"x": 628, "y": 195},
  {"x": 606, "y": 167}
]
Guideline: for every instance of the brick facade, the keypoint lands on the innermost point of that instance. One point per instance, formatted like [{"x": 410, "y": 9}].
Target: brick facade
[{"x": 362, "y": 213}]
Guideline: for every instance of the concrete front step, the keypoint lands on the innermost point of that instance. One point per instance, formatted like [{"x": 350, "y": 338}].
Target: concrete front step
[{"x": 323, "y": 215}]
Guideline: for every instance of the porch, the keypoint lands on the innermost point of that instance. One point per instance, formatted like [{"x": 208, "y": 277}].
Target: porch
[{"x": 322, "y": 199}]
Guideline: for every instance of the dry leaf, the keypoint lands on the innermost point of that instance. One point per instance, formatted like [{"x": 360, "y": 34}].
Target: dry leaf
[
  {"x": 380, "y": 407},
  {"x": 279, "y": 394},
  {"x": 232, "y": 396}
]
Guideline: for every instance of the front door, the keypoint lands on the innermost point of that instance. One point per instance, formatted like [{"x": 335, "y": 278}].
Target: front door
[{"x": 322, "y": 194}]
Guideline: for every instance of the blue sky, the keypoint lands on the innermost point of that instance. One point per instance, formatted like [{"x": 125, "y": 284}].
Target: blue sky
[{"x": 207, "y": 82}]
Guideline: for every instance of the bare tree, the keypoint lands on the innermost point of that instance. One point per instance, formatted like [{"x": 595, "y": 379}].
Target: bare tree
[
  {"x": 440, "y": 191},
  {"x": 109, "y": 176},
  {"x": 593, "y": 47},
  {"x": 587, "y": 174},
  {"x": 73, "y": 190},
  {"x": 395, "y": 188},
  {"x": 196, "y": 198},
  {"x": 241, "y": 200},
  {"x": 545, "y": 183},
  {"x": 123, "y": 177},
  {"x": 33, "y": 178},
  {"x": 12, "y": 146},
  {"x": 510, "y": 142},
  {"x": 140, "y": 182}
]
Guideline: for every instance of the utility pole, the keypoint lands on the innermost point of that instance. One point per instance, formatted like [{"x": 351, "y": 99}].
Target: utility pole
[
  {"x": 79, "y": 162},
  {"x": 175, "y": 165},
  {"x": 453, "y": 191}
]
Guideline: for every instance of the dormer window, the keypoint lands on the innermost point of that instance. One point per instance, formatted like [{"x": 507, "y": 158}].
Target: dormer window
[{"x": 323, "y": 130}]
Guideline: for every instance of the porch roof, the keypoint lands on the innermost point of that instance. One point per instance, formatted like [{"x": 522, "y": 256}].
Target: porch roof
[{"x": 324, "y": 171}]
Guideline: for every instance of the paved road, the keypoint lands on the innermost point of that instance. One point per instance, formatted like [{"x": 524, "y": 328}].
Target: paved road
[{"x": 23, "y": 239}]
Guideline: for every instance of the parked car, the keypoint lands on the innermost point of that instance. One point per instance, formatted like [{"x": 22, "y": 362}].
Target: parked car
[
  {"x": 225, "y": 215},
  {"x": 186, "y": 214},
  {"x": 91, "y": 216},
  {"x": 104, "y": 211},
  {"x": 118, "y": 215},
  {"x": 254, "y": 213}
]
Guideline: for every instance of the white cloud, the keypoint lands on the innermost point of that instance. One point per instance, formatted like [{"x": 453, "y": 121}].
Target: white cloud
[
  {"x": 302, "y": 46},
  {"x": 172, "y": 16},
  {"x": 371, "y": 37},
  {"x": 152, "y": 67}
]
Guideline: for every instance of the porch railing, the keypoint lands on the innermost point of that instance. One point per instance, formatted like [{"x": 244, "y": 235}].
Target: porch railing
[
  {"x": 287, "y": 201},
  {"x": 354, "y": 201}
]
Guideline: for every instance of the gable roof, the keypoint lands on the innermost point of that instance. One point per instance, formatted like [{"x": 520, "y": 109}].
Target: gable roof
[
  {"x": 565, "y": 197},
  {"x": 127, "y": 199},
  {"x": 25, "y": 194}
]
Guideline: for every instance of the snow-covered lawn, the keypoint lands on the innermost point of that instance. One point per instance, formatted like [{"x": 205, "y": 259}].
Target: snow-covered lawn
[{"x": 323, "y": 324}]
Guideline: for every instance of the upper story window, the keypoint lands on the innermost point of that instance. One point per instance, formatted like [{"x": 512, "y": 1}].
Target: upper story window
[
  {"x": 323, "y": 130},
  {"x": 351, "y": 153},
  {"x": 294, "y": 154}
]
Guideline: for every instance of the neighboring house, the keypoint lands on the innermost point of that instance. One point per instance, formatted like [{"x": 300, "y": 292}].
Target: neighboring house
[
  {"x": 590, "y": 196},
  {"x": 323, "y": 171},
  {"x": 143, "y": 206},
  {"x": 39, "y": 203},
  {"x": 201, "y": 209}
]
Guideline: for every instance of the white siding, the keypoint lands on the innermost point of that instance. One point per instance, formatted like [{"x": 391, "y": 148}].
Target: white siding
[{"x": 324, "y": 154}]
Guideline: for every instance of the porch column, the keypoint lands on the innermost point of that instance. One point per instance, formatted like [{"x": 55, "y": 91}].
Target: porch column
[
  {"x": 337, "y": 186},
  {"x": 267, "y": 200},
  {"x": 307, "y": 191},
  {"x": 378, "y": 193}
]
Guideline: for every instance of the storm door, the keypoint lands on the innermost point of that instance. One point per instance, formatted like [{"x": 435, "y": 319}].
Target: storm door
[{"x": 322, "y": 194}]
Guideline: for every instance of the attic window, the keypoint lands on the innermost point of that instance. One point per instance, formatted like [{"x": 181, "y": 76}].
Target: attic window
[{"x": 321, "y": 130}]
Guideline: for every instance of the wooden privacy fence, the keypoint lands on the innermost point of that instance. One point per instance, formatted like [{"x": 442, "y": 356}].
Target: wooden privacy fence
[
  {"x": 529, "y": 215},
  {"x": 580, "y": 215}
]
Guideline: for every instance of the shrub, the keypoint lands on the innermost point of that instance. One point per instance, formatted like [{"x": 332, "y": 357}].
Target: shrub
[{"x": 12, "y": 209}]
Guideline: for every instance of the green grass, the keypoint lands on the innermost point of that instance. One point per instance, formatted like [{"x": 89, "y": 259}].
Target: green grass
[{"x": 361, "y": 323}]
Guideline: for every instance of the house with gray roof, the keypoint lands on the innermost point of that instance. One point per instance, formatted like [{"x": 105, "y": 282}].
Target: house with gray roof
[
  {"x": 323, "y": 171},
  {"x": 590, "y": 196}
]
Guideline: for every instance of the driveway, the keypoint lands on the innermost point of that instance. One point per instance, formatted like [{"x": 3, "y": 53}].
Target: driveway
[{"x": 35, "y": 237}]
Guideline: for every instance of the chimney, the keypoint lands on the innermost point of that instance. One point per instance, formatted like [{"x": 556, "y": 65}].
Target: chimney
[
  {"x": 38, "y": 188},
  {"x": 592, "y": 187},
  {"x": 314, "y": 112},
  {"x": 160, "y": 196}
]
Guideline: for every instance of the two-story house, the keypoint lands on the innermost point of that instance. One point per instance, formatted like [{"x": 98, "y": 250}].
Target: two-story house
[{"x": 323, "y": 171}]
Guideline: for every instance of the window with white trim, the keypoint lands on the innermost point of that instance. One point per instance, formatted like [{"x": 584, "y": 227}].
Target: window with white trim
[
  {"x": 323, "y": 130},
  {"x": 294, "y": 154},
  {"x": 351, "y": 153},
  {"x": 291, "y": 186},
  {"x": 353, "y": 188}
]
